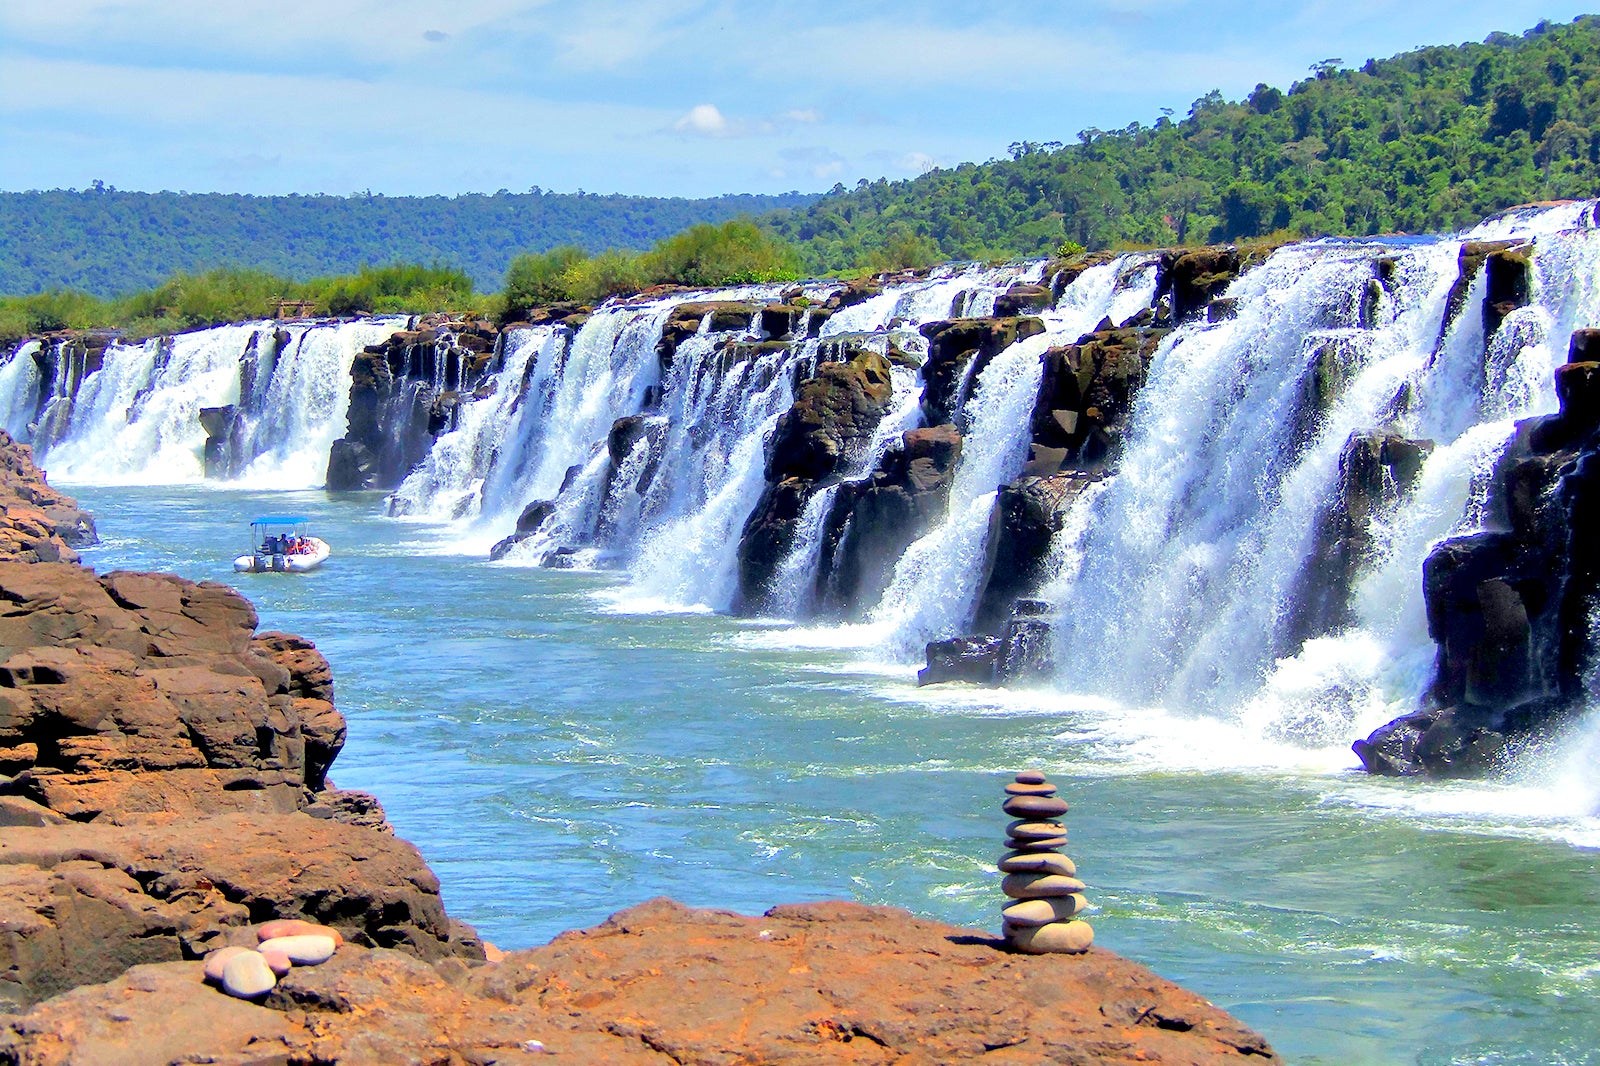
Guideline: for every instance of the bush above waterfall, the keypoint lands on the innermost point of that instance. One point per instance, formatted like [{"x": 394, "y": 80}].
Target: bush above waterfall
[{"x": 737, "y": 252}]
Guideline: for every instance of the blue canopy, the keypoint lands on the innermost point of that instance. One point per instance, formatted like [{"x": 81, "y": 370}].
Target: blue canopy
[{"x": 279, "y": 520}]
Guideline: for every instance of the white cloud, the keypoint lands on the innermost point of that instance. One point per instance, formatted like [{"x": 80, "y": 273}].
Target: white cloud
[
  {"x": 704, "y": 119},
  {"x": 916, "y": 162},
  {"x": 807, "y": 116}
]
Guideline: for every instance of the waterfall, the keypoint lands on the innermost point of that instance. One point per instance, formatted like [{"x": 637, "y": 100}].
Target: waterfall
[
  {"x": 1195, "y": 546},
  {"x": 19, "y": 390},
  {"x": 135, "y": 418},
  {"x": 794, "y": 587},
  {"x": 933, "y": 591},
  {"x": 459, "y": 460}
]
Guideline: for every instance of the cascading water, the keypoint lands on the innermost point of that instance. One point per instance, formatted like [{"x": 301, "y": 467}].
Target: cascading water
[
  {"x": 19, "y": 390},
  {"x": 936, "y": 582},
  {"x": 459, "y": 460},
  {"x": 1196, "y": 545},
  {"x": 136, "y": 418}
]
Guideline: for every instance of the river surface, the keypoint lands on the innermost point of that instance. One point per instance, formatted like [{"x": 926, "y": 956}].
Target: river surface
[{"x": 558, "y": 754}]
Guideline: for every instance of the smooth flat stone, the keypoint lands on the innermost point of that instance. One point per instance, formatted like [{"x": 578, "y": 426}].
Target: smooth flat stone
[
  {"x": 303, "y": 950},
  {"x": 1030, "y": 777},
  {"x": 1035, "y": 830},
  {"x": 297, "y": 927},
  {"x": 1044, "y": 911},
  {"x": 1037, "y": 862},
  {"x": 1040, "y": 886},
  {"x": 1057, "y": 938},
  {"x": 1036, "y": 845},
  {"x": 247, "y": 976},
  {"x": 1035, "y": 808},
  {"x": 217, "y": 959},
  {"x": 1046, "y": 789},
  {"x": 277, "y": 962}
]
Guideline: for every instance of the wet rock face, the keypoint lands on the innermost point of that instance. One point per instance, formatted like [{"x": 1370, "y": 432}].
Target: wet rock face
[
  {"x": 1198, "y": 277},
  {"x": 403, "y": 394},
  {"x": 805, "y": 983},
  {"x": 875, "y": 520},
  {"x": 1087, "y": 393},
  {"x": 829, "y": 426},
  {"x": 832, "y": 419},
  {"x": 1374, "y": 470},
  {"x": 1509, "y": 608},
  {"x": 958, "y": 350}
]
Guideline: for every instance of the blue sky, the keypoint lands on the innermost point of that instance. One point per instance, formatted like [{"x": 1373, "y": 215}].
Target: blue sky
[{"x": 674, "y": 97}]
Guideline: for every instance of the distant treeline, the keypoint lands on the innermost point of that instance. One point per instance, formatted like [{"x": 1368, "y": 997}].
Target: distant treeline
[
  {"x": 733, "y": 253},
  {"x": 108, "y": 243},
  {"x": 1429, "y": 141}
]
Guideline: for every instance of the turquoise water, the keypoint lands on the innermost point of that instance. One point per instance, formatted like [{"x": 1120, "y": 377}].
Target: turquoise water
[{"x": 557, "y": 759}]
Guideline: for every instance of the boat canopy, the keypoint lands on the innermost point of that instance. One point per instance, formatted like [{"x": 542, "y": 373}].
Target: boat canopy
[{"x": 279, "y": 520}]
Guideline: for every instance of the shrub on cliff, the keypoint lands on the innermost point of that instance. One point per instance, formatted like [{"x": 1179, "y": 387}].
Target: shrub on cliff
[{"x": 735, "y": 253}]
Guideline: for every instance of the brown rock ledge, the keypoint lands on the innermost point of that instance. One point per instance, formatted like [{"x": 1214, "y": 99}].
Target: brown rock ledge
[{"x": 662, "y": 983}]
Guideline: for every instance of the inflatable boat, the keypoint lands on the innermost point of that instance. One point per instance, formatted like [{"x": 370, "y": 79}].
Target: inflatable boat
[{"x": 281, "y": 545}]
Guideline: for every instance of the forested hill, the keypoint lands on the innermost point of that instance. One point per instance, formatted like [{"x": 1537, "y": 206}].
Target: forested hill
[
  {"x": 108, "y": 242},
  {"x": 1431, "y": 140}
]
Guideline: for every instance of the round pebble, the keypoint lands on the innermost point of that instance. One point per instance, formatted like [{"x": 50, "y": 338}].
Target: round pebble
[
  {"x": 297, "y": 927},
  {"x": 217, "y": 959},
  {"x": 302, "y": 950},
  {"x": 1030, "y": 777},
  {"x": 1035, "y": 845},
  {"x": 1040, "y": 886},
  {"x": 1035, "y": 808},
  {"x": 247, "y": 976},
  {"x": 1035, "y": 830},
  {"x": 1037, "y": 862},
  {"x": 1046, "y": 789},
  {"x": 1044, "y": 911},
  {"x": 1063, "y": 938},
  {"x": 277, "y": 961}
]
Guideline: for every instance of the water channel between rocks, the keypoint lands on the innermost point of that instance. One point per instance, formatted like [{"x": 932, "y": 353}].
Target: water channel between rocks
[{"x": 557, "y": 758}]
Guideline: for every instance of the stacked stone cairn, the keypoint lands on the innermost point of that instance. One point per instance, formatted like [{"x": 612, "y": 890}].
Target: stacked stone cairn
[
  {"x": 250, "y": 973},
  {"x": 1046, "y": 896}
]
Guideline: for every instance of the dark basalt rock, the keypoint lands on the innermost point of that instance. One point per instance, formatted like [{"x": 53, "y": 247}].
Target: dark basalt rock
[
  {"x": 1023, "y": 299},
  {"x": 404, "y": 393},
  {"x": 1087, "y": 393},
  {"x": 1509, "y": 608},
  {"x": 873, "y": 521},
  {"x": 958, "y": 350},
  {"x": 685, "y": 321},
  {"x": 1375, "y": 470},
  {"x": 832, "y": 419},
  {"x": 1028, "y": 513},
  {"x": 528, "y": 522},
  {"x": 1198, "y": 277},
  {"x": 829, "y": 426},
  {"x": 971, "y": 659},
  {"x": 1506, "y": 286}
]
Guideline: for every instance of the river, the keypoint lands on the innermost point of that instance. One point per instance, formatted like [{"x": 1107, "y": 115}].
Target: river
[{"x": 558, "y": 753}]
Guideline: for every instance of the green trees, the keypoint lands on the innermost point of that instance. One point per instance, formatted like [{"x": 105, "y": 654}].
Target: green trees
[
  {"x": 736, "y": 252},
  {"x": 1431, "y": 140}
]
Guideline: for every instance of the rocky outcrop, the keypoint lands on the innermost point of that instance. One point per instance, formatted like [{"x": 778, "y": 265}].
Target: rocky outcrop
[
  {"x": 39, "y": 524},
  {"x": 1087, "y": 394},
  {"x": 403, "y": 394},
  {"x": 874, "y": 520},
  {"x": 1506, "y": 283},
  {"x": 829, "y": 427},
  {"x": 661, "y": 983},
  {"x": 1510, "y": 608},
  {"x": 1375, "y": 471},
  {"x": 958, "y": 350}
]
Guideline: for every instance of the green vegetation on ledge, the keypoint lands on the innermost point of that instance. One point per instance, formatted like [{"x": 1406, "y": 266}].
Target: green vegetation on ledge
[{"x": 1431, "y": 140}]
